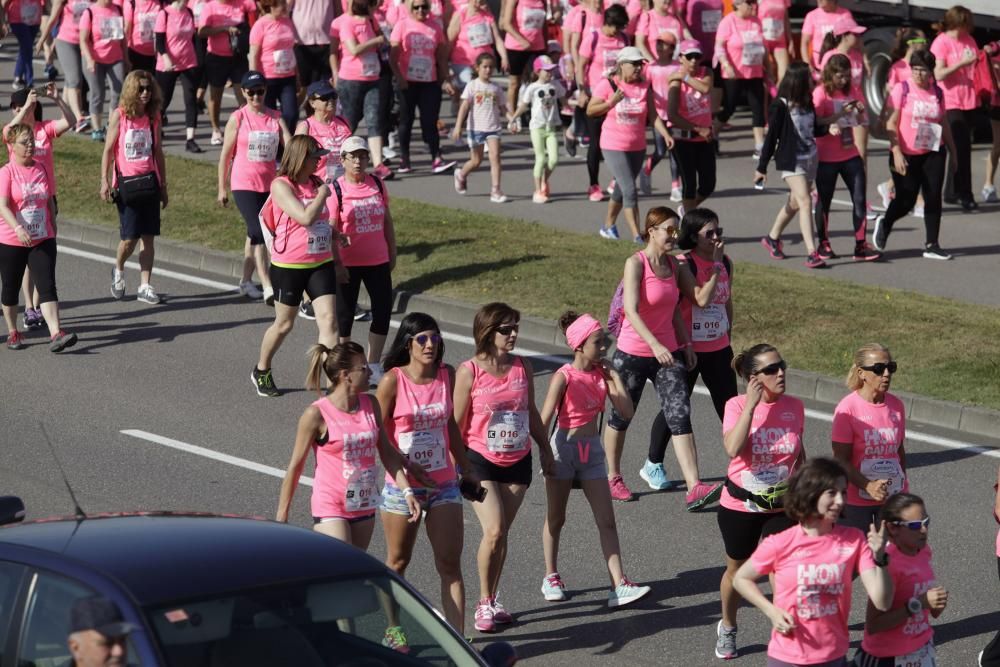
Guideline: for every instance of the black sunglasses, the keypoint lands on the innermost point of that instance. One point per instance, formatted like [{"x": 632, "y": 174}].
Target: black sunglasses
[
  {"x": 145, "y": 89},
  {"x": 423, "y": 338},
  {"x": 255, "y": 92},
  {"x": 881, "y": 368},
  {"x": 325, "y": 98},
  {"x": 421, "y": 8},
  {"x": 691, "y": 56},
  {"x": 507, "y": 329},
  {"x": 772, "y": 369},
  {"x": 714, "y": 233}
]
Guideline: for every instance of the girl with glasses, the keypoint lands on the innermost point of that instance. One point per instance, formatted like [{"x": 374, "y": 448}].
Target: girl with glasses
[{"x": 869, "y": 430}]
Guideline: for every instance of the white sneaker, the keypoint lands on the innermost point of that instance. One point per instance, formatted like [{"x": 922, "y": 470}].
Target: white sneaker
[
  {"x": 676, "y": 195},
  {"x": 883, "y": 191},
  {"x": 376, "y": 374},
  {"x": 216, "y": 139},
  {"x": 918, "y": 211},
  {"x": 990, "y": 194},
  {"x": 117, "y": 284},
  {"x": 626, "y": 593},
  {"x": 147, "y": 294},
  {"x": 389, "y": 153},
  {"x": 268, "y": 296},
  {"x": 539, "y": 198},
  {"x": 497, "y": 197},
  {"x": 251, "y": 291}
]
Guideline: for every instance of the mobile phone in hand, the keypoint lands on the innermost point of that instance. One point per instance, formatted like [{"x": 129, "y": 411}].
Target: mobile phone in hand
[{"x": 473, "y": 492}]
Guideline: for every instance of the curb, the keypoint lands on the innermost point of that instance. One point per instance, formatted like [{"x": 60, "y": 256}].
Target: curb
[{"x": 801, "y": 384}]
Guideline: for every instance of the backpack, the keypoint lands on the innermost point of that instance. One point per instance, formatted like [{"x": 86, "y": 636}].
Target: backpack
[{"x": 906, "y": 91}]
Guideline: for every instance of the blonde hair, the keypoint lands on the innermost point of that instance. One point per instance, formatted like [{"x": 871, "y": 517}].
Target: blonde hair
[
  {"x": 860, "y": 356},
  {"x": 322, "y": 359},
  {"x": 293, "y": 162},
  {"x": 130, "y": 95},
  {"x": 12, "y": 132}
]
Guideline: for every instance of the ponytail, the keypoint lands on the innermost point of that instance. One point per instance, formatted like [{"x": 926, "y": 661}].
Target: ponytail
[
  {"x": 323, "y": 359},
  {"x": 830, "y": 41},
  {"x": 743, "y": 362}
]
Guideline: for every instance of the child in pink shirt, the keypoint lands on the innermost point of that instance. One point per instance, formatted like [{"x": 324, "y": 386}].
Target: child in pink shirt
[{"x": 484, "y": 104}]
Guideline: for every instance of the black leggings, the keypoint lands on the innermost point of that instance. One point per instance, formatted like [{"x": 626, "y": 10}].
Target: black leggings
[
  {"x": 594, "y": 155},
  {"x": 190, "y": 79},
  {"x": 669, "y": 382},
  {"x": 754, "y": 90},
  {"x": 924, "y": 174},
  {"x": 696, "y": 163},
  {"x": 426, "y": 97},
  {"x": 852, "y": 172},
  {"x": 378, "y": 284},
  {"x": 991, "y": 654},
  {"x": 41, "y": 259},
  {"x": 717, "y": 373},
  {"x": 961, "y": 123}
]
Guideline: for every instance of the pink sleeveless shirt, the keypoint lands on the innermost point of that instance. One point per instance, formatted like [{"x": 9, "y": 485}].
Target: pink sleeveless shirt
[
  {"x": 298, "y": 247},
  {"x": 257, "y": 139},
  {"x": 419, "y": 425},
  {"x": 657, "y": 301},
  {"x": 344, "y": 485},
  {"x": 584, "y": 397},
  {"x": 496, "y": 426}
]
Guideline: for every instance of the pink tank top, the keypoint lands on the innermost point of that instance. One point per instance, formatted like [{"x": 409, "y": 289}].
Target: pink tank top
[
  {"x": 529, "y": 17},
  {"x": 708, "y": 326},
  {"x": 657, "y": 301},
  {"x": 474, "y": 37},
  {"x": 257, "y": 139},
  {"x": 330, "y": 136},
  {"x": 584, "y": 397},
  {"x": 298, "y": 247},
  {"x": 496, "y": 425},
  {"x": 134, "y": 149},
  {"x": 419, "y": 425},
  {"x": 344, "y": 485}
]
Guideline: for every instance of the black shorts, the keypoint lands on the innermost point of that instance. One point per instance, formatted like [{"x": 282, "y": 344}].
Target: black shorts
[
  {"x": 487, "y": 471},
  {"x": 289, "y": 284},
  {"x": 219, "y": 69},
  {"x": 141, "y": 61},
  {"x": 521, "y": 62},
  {"x": 249, "y": 204},
  {"x": 313, "y": 62},
  {"x": 742, "y": 531},
  {"x": 135, "y": 221},
  {"x": 995, "y": 113}
]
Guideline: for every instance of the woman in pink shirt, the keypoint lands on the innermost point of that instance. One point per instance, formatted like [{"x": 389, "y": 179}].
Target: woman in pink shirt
[
  {"x": 24, "y": 17},
  {"x": 472, "y": 32},
  {"x": 902, "y": 635},
  {"x": 272, "y": 51},
  {"x": 28, "y": 237},
  {"x": 102, "y": 44},
  {"x": 224, "y": 24},
  {"x": 140, "y": 30},
  {"x": 777, "y": 27},
  {"x": 173, "y": 35},
  {"x": 523, "y": 22},
  {"x": 813, "y": 565},
  {"x": 845, "y": 39},
  {"x": 659, "y": 23},
  {"x": 329, "y": 129},
  {"x": 815, "y": 27},
  {"x": 740, "y": 53},
  {"x": 689, "y": 105},
  {"x": 64, "y": 15},
  {"x": 703, "y": 18}
]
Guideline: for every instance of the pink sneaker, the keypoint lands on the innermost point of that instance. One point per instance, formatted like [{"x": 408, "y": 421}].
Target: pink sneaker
[
  {"x": 484, "y": 616},
  {"x": 702, "y": 494},
  {"x": 595, "y": 193},
  {"x": 383, "y": 172},
  {"x": 618, "y": 489},
  {"x": 500, "y": 615}
]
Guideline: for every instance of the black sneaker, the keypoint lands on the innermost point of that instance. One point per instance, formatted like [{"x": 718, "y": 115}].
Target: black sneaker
[
  {"x": 865, "y": 253},
  {"x": 825, "y": 250},
  {"x": 934, "y": 251},
  {"x": 968, "y": 204},
  {"x": 192, "y": 146},
  {"x": 306, "y": 310},
  {"x": 880, "y": 235},
  {"x": 61, "y": 341},
  {"x": 264, "y": 383}
]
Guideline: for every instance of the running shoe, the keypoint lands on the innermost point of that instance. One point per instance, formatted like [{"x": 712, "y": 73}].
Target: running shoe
[
  {"x": 725, "y": 645},
  {"x": 595, "y": 193},
  {"x": 362, "y": 315},
  {"x": 637, "y": 239},
  {"x": 619, "y": 491},
  {"x": 773, "y": 247},
  {"x": 610, "y": 233},
  {"x": 263, "y": 382},
  {"x": 33, "y": 318},
  {"x": 968, "y": 204},
  {"x": 885, "y": 193},
  {"x": 460, "y": 182},
  {"x": 539, "y": 197},
  {"x": 98, "y": 135},
  {"x": 814, "y": 261},
  {"x": 18, "y": 84},
  {"x": 389, "y": 153},
  {"x": 701, "y": 495},
  {"x": 383, "y": 172},
  {"x": 191, "y": 146},
  {"x": 934, "y": 251},
  {"x": 611, "y": 186},
  {"x": 51, "y": 72},
  {"x": 918, "y": 211},
  {"x": 498, "y": 197},
  {"x": 15, "y": 341},
  {"x": 268, "y": 296},
  {"x": 990, "y": 194},
  {"x": 880, "y": 234},
  {"x": 375, "y": 374},
  {"x": 117, "y": 284},
  {"x": 626, "y": 593},
  {"x": 569, "y": 145},
  {"x": 865, "y": 253},
  {"x": 825, "y": 250},
  {"x": 500, "y": 615},
  {"x": 61, "y": 341},
  {"x": 439, "y": 166},
  {"x": 147, "y": 294},
  {"x": 655, "y": 476},
  {"x": 404, "y": 166},
  {"x": 484, "y": 616},
  {"x": 395, "y": 639},
  {"x": 306, "y": 311},
  {"x": 216, "y": 139},
  {"x": 251, "y": 291},
  {"x": 675, "y": 194},
  {"x": 82, "y": 124},
  {"x": 553, "y": 588}
]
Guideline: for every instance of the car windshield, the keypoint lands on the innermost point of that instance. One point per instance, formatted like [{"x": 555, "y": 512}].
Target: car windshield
[{"x": 342, "y": 622}]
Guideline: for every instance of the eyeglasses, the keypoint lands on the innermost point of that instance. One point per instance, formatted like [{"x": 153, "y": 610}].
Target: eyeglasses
[
  {"x": 772, "y": 369},
  {"x": 881, "y": 368},
  {"x": 145, "y": 89},
  {"x": 355, "y": 157},
  {"x": 255, "y": 92},
  {"x": 508, "y": 329},
  {"x": 914, "y": 525},
  {"x": 422, "y": 339},
  {"x": 713, "y": 233}
]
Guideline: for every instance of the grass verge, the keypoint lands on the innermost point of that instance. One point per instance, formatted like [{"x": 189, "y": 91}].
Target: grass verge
[{"x": 942, "y": 346}]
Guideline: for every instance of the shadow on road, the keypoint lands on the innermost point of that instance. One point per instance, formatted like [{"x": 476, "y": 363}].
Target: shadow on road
[{"x": 434, "y": 278}]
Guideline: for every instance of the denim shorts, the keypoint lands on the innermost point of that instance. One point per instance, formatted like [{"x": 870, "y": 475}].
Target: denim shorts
[
  {"x": 804, "y": 167},
  {"x": 577, "y": 457},
  {"x": 479, "y": 138},
  {"x": 394, "y": 502}
]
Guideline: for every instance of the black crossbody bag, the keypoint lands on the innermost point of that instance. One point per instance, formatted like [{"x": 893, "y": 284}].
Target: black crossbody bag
[{"x": 141, "y": 188}]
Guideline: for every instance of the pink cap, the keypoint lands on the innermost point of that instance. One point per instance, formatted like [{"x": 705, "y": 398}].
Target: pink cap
[
  {"x": 845, "y": 25},
  {"x": 582, "y": 327},
  {"x": 690, "y": 46},
  {"x": 543, "y": 62}
]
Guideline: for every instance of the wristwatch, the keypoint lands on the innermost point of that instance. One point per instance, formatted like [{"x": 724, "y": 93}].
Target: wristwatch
[
  {"x": 914, "y": 606},
  {"x": 883, "y": 562}
]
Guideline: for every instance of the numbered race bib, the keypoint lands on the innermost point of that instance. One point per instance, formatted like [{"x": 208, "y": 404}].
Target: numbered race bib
[
  {"x": 334, "y": 168},
  {"x": 138, "y": 144},
  {"x": 284, "y": 62},
  {"x": 419, "y": 68},
  {"x": 696, "y": 103},
  {"x": 761, "y": 480},
  {"x": 928, "y": 137},
  {"x": 710, "y": 19},
  {"x": 631, "y": 111},
  {"x": 925, "y": 656},
  {"x": 111, "y": 28},
  {"x": 30, "y": 13},
  {"x": 320, "y": 238},
  {"x": 426, "y": 448},
  {"x": 753, "y": 49},
  {"x": 479, "y": 34},
  {"x": 147, "y": 22},
  {"x": 774, "y": 29},
  {"x": 610, "y": 59},
  {"x": 262, "y": 146},
  {"x": 507, "y": 431},
  {"x": 709, "y": 323},
  {"x": 362, "y": 493},
  {"x": 369, "y": 63},
  {"x": 533, "y": 19},
  {"x": 882, "y": 469},
  {"x": 32, "y": 218}
]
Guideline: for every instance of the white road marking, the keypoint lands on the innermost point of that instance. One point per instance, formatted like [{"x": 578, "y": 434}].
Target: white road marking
[{"x": 204, "y": 282}]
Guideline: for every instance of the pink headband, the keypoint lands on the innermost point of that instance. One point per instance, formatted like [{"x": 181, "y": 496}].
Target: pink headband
[{"x": 581, "y": 328}]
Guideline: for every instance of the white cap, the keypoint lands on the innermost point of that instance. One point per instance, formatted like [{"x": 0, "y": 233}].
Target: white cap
[
  {"x": 352, "y": 144},
  {"x": 630, "y": 54}
]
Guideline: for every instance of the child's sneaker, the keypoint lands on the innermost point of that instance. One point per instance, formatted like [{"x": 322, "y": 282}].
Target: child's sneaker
[
  {"x": 553, "y": 588},
  {"x": 484, "y": 616},
  {"x": 539, "y": 197},
  {"x": 497, "y": 197},
  {"x": 626, "y": 593},
  {"x": 500, "y": 615},
  {"x": 595, "y": 193},
  {"x": 619, "y": 491},
  {"x": 460, "y": 182}
]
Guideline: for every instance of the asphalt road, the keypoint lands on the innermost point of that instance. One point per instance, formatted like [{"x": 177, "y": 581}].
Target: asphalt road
[{"x": 179, "y": 374}]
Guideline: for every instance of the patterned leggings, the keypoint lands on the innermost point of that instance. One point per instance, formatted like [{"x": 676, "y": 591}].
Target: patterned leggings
[{"x": 670, "y": 383}]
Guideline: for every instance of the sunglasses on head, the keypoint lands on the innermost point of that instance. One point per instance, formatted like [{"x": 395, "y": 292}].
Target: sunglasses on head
[
  {"x": 772, "y": 369},
  {"x": 255, "y": 92},
  {"x": 423, "y": 339},
  {"x": 508, "y": 329},
  {"x": 881, "y": 368},
  {"x": 914, "y": 525},
  {"x": 713, "y": 233}
]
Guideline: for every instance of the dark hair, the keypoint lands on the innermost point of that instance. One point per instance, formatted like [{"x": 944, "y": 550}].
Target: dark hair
[
  {"x": 808, "y": 483},
  {"x": 485, "y": 324},
  {"x": 956, "y": 18},
  {"x": 892, "y": 509},
  {"x": 483, "y": 57},
  {"x": 616, "y": 16},
  {"x": 331, "y": 362},
  {"x": 567, "y": 318},
  {"x": 797, "y": 85},
  {"x": 399, "y": 352},
  {"x": 830, "y": 42},
  {"x": 743, "y": 363},
  {"x": 923, "y": 58},
  {"x": 693, "y": 222},
  {"x": 904, "y": 35},
  {"x": 837, "y": 64},
  {"x": 20, "y": 97}
]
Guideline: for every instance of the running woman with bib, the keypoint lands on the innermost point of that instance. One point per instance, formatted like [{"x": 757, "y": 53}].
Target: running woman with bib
[
  {"x": 762, "y": 435},
  {"x": 869, "y": 429},
  {"x": 576, "y": 398},
  {"x": 495, "y": 409},
  {"x": 903, "y": 634},
  {"x": 813, "y": 565}
]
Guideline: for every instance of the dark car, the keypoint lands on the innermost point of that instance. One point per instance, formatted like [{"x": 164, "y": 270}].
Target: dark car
[{"x": 210, "y": 591}]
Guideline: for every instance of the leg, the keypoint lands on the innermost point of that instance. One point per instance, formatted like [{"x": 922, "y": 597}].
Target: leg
[
  {"x": 826, "y": 183},
  {"x": 994, "y": 155},
  {"x": 932, "y": 181},
  {"x": 407, "y": 110},
  {"x": 289, "y": 102},
  {"x": 798, "y": 186},
  {"x": 324, "y": 306},
  {"x": 429, "y": 103},
  {"x": 475, "y": 159},
  {"x": 116, "y": 74},
  {"x": 167, "y": 81},
  {"x": 146, "y": 255},
  {"x": 97, "y": 83},
  {"x": 400, "y": 536},
  {"x": 556, "y": 498},
  {"x": 671, "y": 387},
  {"x": 445, "y": 531},
  {"x": 552, "y": 146},
  {"x": 634, "y": 371},
  {"x": 853, "y": 174},
  {"x": 378, "y": 284},
  {"x": 782, "y": 61},
  {"x": 538, "y": 146},
  {"x": 959, "y": 121},
  {"x": 730, "y": 598},
  {"x": 495, "y": 513},
  {"x": 248, "y": 261},
  {"x": 69, "y": 60},
  {"x": 494, "y": 144},
  {"x": 189, "y": 86},
  {"x": 630, "y": 195},
  {"x": 13, "y": 262},
  {"x": 125, "y": 249},
  {"x": 684, "y": 152},
  {"x": 659, "y": 438},
  {"x": 599, "y": 497},
  {"x": 347, "y": 301},
  {"x": 718, "y": 376},
  {"x": 42, "y": 261},
  {"x": 705, "y": 167},
  {"x": 755, "y": 99},
  {"x": 284, "y": 320},
  {"x": 594, "y": 149}
]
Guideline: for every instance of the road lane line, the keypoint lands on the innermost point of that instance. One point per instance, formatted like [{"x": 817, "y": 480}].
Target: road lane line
[
  {"x": 211, "y": 454},
  {"x": 204, "y": 282}
]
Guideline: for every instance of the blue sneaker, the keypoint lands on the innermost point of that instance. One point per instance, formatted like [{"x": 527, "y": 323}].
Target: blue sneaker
[
  {"x": 655, "y": 476},
  {"x": 610, "y": 233}
]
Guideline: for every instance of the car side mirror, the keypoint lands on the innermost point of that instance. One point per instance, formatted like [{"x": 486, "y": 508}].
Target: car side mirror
[
  {"x": 11, "y": 510},
  {"x": 499, "y": 654}
]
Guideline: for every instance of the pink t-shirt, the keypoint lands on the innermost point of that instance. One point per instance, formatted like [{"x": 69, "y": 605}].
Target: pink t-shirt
[
  {"x": 419, "y": 425},
  {"x": 583, "y": 21},
  {"x": 311, "y": 18},
  {"x": 742, "y": 41},
  {"x": 27, "y": 191},
  {"x": 657, "y": 300},
  {"x": 857, "y": 65},
  {"x": 920, "y": 118},
  {"x": 178, "y": 26},
  {"x": 813, "y": 577},
  {"x": 772, "y": 449},
  {"x": 702, "y": 18},
  {"x": 297, "y": 246},
  {"x": 258, "y": 136},
  {"x": 364, "y": 66},
  {"x": 418, "y": 42},
  {"x": 709, "y": 326},
  {"x": 330, "y": 136},
  {"x": 529, "y": 18},
  {"x": 276, "y": 39},
  {"x": 658, "y": 75},
  {"x": 585, "y": 395},
  {"x": 898, "y": 73},
  {"x": 361, "y": 222},
  {"x": 69, "y": 23},
  {"x": 346, "y": 471},
  {"x": 876, "y": 431},
  {"x": 134, "y": 152},
  {"x": 496, "y": 423},
  {"x": 602, "y": 51},
  {"x": 772, "y": 14},
  {"x": 223, "y": 13},
  {"x": 959, "y": 92},
  {"x": 817, "y": 23},
  {"x": 107, "y": 32},
  {"x": 625, "y": 125},
  {"x": 653, "y": 26},
  {"x": 912, "y": 576},
  {"x": 841, "y": 147},
  {"x": 45, "y": 132},
  {"x": 334, "y": 33},
  {"x": 142, "y": 15},
  {"x": 475, "y": 36},
  {"x": 487, "y": 101},
  {"x": 696, "y": 107},
  {"x": 28, "y": 12}
]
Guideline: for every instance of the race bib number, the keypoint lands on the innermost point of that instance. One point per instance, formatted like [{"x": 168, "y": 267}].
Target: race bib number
[
  {"x": 426, "y": 448},
  {"x": 631, "y": 111},
  {"x": 147, "y": 22},
  {"x": 138, "y": 144},
  {"x": 882, "y": 469},
  {"x": 927, "y": 137},
  {"x": 362, "y": 493},
  {"x": 610, "y": 59},
  {"x": 709, "y": 323},
  {"x": 533, "y": 19},
  {"x": 320, "y": 238},
  {"x": 334, "y": 168},
  {"x": 479, "y": 34},
  {"x": 32, "y": 218},
  {"x": 419, "y": 68},
  {"x": 774, "y": 29},
  {"x": 761, "y": 480},
  {"x": 262, "y": 146},
  {"x": 369, "y": 64},
  {"x": 111, "y": 28},
  {"x": 284, "y": 62},
  {"x": 507, "y": 431},
  {"x": 753, "y": 49},
  {"x": 710, "y": 19},
  {"x": 30, "y": 13},
  {"x": 925, "y": 656}
]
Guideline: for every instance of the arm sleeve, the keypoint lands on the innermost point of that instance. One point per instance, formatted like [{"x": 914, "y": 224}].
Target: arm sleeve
[{"x": 775, "y": 124}]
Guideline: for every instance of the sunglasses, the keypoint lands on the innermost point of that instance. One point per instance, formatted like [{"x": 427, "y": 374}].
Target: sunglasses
[
  {"x": 145, "y": 89},
  {"x": 914, "y": 525},
  {"x": 421, "y": 8},
  {"x": 325, "y": 98},
  {"x": 772, "y": 369},
  {"x": 691, "y": 56},
  {"x": 880, "y": 368},
  {"x": 255, "y": 92},
  {"x": 671, "y": 231},
  {"x": 422, "y": 339},
  {"x": 714, "y": 233},
  {"x": 508, "y": 329}
]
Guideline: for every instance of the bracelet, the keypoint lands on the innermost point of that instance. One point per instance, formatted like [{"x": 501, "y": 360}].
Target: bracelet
[{"x": 408, "y": 491}]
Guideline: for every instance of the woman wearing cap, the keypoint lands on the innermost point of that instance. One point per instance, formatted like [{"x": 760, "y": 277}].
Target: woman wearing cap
[
  {"x": 740, "y": 52},
  {"x": 304, "y": 257},
  {"x": 253, "y": 137},
  {"x": 272, "y": 51},
  {"x": 626, "y": 102},
  {"x": 845, "y": 39},
  {"x": 323, "y": 123},
  {"x": 523, "y": 23},
  {"x": 689, "y": 106},
  {"x": 174, "y": 31},
  {"x": 818, "y": 23},
  {"x": 28, "y": 236},
  {"x": 102, "y": 45},
  {"x": 222, "y": 22}
]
